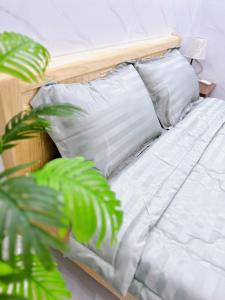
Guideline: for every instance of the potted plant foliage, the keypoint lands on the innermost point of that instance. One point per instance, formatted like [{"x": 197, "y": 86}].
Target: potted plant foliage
[{"x": 66, "y": 194}]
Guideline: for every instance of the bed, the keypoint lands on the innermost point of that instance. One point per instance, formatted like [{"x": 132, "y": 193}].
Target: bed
[
  {"x": 174, "y": 210},
  {"x": 172, "y": 243}
]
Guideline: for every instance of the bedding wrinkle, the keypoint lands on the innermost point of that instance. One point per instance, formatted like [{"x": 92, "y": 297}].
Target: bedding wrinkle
[
  {"x": 155, "y": 189},
  {"x": 109, "y": 124},
  {"x": 172, "y": 84},
  {"x": 184, "y": 255},
  {"x": 149, "y": 188}
]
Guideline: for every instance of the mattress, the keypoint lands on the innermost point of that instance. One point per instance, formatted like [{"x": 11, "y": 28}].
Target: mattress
[{"x": 172, "y": 242}]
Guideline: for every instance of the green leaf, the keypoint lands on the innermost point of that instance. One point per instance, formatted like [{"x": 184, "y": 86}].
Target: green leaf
[
  {"x": 5, "y": 269},
  {"x": 22, "y": 57},
  {"x": 57, "y": 109},
  {"x": 90, "y": 204},
  {"x": 27, "y": 211},
  {"x": 13, "y": 170},
  {"x": 39, "y": 284},
  {"x": 8, "y": 297},
  {"x": 25, "y": 125}
]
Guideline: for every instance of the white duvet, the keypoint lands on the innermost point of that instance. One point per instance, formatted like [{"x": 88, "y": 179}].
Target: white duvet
[{"x": 172, "y": 242}]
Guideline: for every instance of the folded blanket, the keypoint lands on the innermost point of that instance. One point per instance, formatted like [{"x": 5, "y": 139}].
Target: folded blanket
[{"x": 148, "y": 188}]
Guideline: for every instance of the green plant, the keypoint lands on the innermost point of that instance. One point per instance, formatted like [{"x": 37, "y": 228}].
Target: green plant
[
  {"x": 21, "y": 57},
  {"x": 64, "y": 194}
]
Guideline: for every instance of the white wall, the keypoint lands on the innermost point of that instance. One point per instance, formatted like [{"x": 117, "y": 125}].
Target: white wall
[
  {"x": 76, "y": 25},
  {"x": 210, "y": 23}
]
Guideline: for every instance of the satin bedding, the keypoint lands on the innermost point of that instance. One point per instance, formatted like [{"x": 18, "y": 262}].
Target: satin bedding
[
  {"x": 172, "y": 84},
  {"x": 172, "y": 242},
  {"x": 109, "y": 130}
]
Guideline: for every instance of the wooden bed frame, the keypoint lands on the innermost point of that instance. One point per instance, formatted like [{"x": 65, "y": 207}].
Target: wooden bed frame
[{"x": 15, "y": 96}]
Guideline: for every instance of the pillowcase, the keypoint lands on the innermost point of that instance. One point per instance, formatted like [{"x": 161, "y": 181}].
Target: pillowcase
[
  {"x": 172, "y": 84},
  {"x": 118, "y": 118}
]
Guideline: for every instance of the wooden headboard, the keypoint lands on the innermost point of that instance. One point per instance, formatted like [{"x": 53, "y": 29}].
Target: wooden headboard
[{"x": 15, "y": 95}]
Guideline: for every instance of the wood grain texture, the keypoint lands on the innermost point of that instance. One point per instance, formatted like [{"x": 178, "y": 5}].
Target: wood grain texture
[
  {"x": 205, "y": 90},
  {"x": 15, "y": 96}
]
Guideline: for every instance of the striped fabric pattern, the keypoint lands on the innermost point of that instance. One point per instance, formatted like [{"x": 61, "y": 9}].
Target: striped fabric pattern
[
  {"x": 172, "y": 84},
  {"x": 172, "y": 241},
  {"x": 119, "y": 118}
]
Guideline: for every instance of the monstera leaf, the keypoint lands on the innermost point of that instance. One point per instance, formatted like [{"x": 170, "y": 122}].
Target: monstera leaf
[
  {"x": 22, "y": 57},
  {"x": 88, "y": 199},
  {"x": 16, "y": 284},
  {"x": 28, "y": 212}
]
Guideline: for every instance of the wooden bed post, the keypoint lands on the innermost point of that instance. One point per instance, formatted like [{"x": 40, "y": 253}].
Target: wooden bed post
[{"x": 10, "y": 104}]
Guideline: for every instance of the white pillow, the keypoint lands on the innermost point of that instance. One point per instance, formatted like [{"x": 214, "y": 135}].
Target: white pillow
[
  {"x": 172, "y": 84},
  {"x": 119, "y": 118}
]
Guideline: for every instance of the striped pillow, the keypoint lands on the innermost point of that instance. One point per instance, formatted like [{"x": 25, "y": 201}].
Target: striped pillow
[
  {"x": 172, "y": 84},
  {"x": 119, "y": 118}
]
